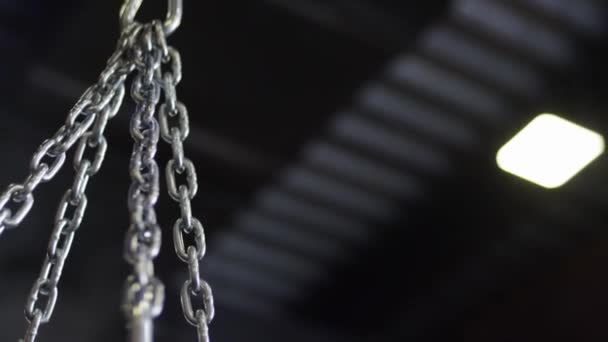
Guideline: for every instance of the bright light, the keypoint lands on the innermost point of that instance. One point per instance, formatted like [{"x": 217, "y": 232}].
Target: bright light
[{"x": 549, "y": 151}]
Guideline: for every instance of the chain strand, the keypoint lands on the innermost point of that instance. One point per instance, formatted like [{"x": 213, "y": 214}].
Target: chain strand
[
  {"x": 86, "y": 123},
  {"x": 144, "y": 293},
  {"x": 174, "y": 129},
  {"x": 43, "y": 296}
]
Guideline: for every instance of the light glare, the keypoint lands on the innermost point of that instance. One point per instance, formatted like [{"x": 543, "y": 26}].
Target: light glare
[{"x": 549, "y": 151}]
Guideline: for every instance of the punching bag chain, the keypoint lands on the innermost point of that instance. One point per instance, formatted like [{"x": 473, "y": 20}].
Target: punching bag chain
[
  {"x": 142, "y": 48},
  {"x": 186, "y": 225}
]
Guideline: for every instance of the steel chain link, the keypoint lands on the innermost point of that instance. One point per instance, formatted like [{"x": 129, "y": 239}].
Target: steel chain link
[{"x": 174, "y": 129}]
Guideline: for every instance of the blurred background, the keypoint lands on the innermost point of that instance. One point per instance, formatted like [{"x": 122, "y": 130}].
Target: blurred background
[{"x": 346, "y": 155}]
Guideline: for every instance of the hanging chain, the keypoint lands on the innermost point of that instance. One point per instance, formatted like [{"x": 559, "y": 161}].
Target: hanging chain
[
  {"x": 97, "y": 106},
  {"x": 142, "y": 47},
  {"x": 174, "y": 129},
  {"x": 42, "y": 298},
  {"x": 144, "y": 293}
]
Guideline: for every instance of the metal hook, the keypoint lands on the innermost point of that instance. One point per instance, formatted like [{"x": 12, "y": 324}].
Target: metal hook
[{"x": 174, "y": 14}]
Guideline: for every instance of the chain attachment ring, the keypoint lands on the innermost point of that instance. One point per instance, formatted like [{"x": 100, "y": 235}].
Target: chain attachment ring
[{"x": 129, "y": 10}]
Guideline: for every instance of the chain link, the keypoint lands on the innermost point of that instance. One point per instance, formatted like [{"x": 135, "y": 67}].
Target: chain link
[
  {"x": 144, "y": 293},
  {"x": 175, "y": 128},
  {"x": 25, "y": 201}
]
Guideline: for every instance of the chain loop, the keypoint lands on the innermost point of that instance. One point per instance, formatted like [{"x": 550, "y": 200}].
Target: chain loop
[
  {"x": 58, "y": 250},
  {"x": 57, "y": 246},
  {"x": 199, "y": 239},
  {"x": 191, "y": 179},
  {"x": 185, "y": 208},
  {"x": 80, "y": 107},
  {"x": 183, "y": 127},
  {"x": 109, "y": 112},
  {"x": 81, "y": 180},
  {"x": 170, "y": 92},
  {"x": 144, "y": 299},
  {"x": 45, "y": 151},
  {"x": 15, "y": 194},
  {"x": 175, "y": 59},
  {"x": 177, "y": 147},
  {"x": 35, "y": 178},
  {"x": 142, "y": 243},
  {"x": 78, "y": 206},
  {"x": 193, "y": 268},
  {"x": 40, "y": 291},
  {"x": 101, "y": 147},
  {"x": 202, "y": 326},
  {"x": 205, "y": 293},
  {"x": 32, "y": 329}
]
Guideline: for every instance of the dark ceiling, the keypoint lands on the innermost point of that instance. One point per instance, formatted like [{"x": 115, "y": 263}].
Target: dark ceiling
[{"x": 345, "y": 151}]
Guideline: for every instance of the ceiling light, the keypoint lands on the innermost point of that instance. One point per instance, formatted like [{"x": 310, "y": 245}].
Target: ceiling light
[{"x": 549, "y": 151}]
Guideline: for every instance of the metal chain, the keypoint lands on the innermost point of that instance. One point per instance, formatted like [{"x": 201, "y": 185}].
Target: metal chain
[
  {"x": 43, "y": 296},
  {"x": 142, "y": 47},
  {"x": 174, "y": 129},
  {"x": 144, "y": 293},
  {"x": 18, "y": 199}
]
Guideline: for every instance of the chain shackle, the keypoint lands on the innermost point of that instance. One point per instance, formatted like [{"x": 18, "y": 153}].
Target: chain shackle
[{"x": 175, "y": 11}]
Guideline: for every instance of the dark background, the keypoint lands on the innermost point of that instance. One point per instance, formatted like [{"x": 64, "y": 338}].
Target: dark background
[{"x": 345, "y": 151}]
